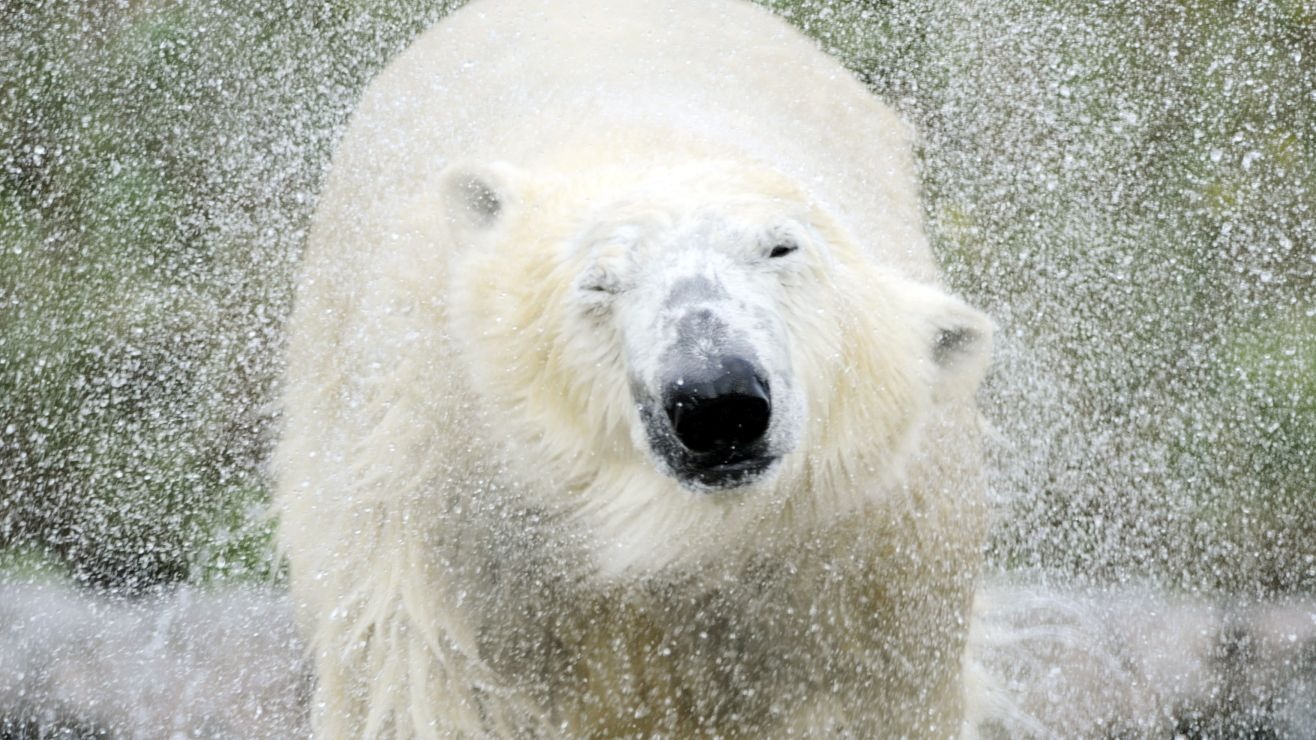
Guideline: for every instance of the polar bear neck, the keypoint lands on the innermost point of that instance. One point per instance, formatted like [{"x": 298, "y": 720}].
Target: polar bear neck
[{"x": 835, "y": 599}]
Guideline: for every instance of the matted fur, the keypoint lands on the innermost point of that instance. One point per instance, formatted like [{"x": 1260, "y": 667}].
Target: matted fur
[{"x": 480, "y": 541}]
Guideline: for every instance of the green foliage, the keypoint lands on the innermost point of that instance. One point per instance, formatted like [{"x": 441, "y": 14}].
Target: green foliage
[
  {"x": 1129, "y": 188},
  {"x": 1269, "y": 441},
  {"x": 157, "y": 168}
]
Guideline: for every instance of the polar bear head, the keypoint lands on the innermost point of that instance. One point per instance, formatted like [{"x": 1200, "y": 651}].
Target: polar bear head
[{"x": 670, "y": 348}]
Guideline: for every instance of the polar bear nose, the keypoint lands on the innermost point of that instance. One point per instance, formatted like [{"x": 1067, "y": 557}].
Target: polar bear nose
[{"x": 721, "y": 409}]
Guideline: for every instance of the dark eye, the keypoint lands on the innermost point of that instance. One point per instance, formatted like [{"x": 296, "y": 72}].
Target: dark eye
[
  {"x": 781, "y": 250},
  {"x": 599, "y": 282},
  {"x": 600, "y": 292}
]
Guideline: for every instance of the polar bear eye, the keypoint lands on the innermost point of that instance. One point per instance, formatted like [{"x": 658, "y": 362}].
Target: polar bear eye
[
  {"x": 599, "y": 283},
  {"x": 783, "y": 249}
]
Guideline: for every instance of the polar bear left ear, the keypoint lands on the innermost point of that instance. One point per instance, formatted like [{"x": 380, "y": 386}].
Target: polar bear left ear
[
  {"x": 478, "y": 197},
  {"x": 957, "y": 338}
]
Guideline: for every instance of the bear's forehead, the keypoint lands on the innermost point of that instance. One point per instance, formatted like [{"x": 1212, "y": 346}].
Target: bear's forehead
[
  {"x": 689, "y": 246},
  {"x": 702, "y": 224},
  {"x": 695, "y": 288}
]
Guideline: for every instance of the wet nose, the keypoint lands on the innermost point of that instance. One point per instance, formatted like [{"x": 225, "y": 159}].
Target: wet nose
[{"x": 721, "y": 408}]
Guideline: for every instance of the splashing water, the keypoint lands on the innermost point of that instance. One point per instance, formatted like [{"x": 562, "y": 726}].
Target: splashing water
[{"x": 1127, "y": 188}]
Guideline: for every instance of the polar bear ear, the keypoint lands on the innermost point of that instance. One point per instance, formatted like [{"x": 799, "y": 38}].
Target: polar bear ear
[
  {"x": 957, "y": 338},
  {"x": 477, "y": 197}
]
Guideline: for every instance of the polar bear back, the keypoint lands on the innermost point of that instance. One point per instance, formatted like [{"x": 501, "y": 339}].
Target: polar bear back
[
  {"x": 453, "y": 562},
  {"x": 508, "y": 79}
]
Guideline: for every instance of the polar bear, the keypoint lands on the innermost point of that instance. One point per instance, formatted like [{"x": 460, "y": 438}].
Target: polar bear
[{"x": 621, "y": 394}]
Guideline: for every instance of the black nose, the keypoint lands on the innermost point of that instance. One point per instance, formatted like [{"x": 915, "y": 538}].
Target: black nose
[{"x": 720, "y": 409}]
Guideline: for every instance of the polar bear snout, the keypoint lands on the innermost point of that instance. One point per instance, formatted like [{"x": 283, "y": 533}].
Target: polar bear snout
[
  {"x": 709, "y": 425},
  {"x": 709, "y": 362},
  {"x": 719, "y": 411}
]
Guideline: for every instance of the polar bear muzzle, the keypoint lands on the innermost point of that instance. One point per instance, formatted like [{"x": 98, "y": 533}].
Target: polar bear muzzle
[
  {"x": 708, "y": 415},
  {"x": 719, "y": 413},
  {"x": 719, "y": 410}
]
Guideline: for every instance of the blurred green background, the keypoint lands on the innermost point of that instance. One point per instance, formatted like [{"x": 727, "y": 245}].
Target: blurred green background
[{"x": 1129, "y": 188}]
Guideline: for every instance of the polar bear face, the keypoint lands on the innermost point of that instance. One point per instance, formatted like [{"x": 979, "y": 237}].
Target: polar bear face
[
  {"x": 704, "y": 330},
  {"x": 694, "y": 295},
  {"x": 688, "y": 279}
]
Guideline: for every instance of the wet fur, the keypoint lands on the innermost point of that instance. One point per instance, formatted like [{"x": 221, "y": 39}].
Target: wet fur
[{"x": 480, "y": 539}]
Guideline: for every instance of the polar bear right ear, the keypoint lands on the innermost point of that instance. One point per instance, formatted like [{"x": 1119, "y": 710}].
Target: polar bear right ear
[
  {"x": 957, "y": 338},
  {"x": 477, "y": 197}
]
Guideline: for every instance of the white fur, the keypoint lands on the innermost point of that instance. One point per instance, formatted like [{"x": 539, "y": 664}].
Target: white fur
[{"x": 481, "y": 540}]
